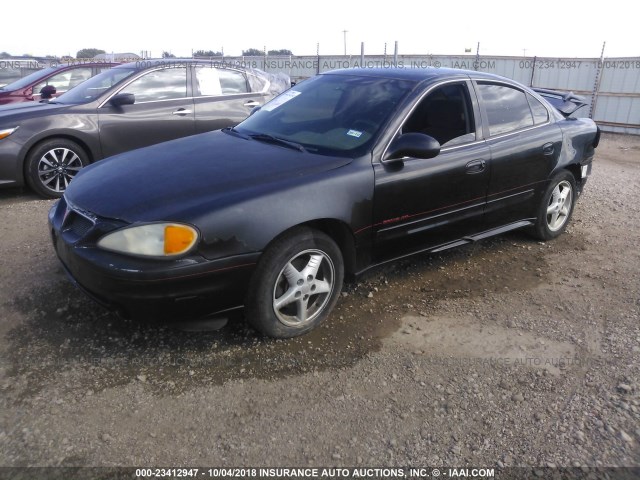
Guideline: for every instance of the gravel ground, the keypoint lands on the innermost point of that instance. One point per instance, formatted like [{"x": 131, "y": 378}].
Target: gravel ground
[{"x": 510, "y": 352}]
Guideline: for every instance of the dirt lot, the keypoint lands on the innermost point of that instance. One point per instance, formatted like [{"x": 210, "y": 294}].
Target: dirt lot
[{"x": 510, "y": 352}]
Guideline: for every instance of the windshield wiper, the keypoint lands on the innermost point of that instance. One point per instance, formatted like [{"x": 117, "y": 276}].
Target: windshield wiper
[
  {"x": 233, "y": 131},
  {"x": 265, "y": 137}
]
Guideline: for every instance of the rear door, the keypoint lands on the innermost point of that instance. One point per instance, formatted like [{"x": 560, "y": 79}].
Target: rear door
[
  {"x": 163, "y": 110},
  {"x": 524, "y": 144},
  {"x": 222, "y": 97}
]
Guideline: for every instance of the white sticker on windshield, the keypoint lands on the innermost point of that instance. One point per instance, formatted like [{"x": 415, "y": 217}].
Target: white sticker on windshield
[
  {"x": 281, "y": 99},
  {"x": 354, "y": 133}
]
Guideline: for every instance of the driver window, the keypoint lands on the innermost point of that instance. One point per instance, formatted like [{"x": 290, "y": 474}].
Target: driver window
[
  {"x": 164, "y": 84},
  {"x": 446, "y": 115}
]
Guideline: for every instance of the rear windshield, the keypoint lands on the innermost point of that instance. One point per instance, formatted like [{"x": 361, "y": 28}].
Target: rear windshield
[{"x": 29, "y": 79}]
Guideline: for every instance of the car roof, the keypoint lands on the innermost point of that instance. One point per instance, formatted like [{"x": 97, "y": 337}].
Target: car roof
[
  {"x": 414, "y": 74},
  {"x": 75, "y": 64},
  {"x": 146, "y": 63}
]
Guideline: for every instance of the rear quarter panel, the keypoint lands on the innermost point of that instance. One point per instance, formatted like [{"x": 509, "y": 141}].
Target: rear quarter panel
[{"x": 578, "y": 139}]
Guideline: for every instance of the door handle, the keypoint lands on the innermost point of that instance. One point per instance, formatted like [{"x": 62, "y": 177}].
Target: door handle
[
  {"x": 476, "y": 166},
  {"x": 547, "y": 149},
  {"x": 182, "y": 112},
  {"x": 252, "y": 103}
]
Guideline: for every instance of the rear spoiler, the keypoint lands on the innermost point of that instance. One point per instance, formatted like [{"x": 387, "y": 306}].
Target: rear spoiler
[{"x": 565, "y": 103}]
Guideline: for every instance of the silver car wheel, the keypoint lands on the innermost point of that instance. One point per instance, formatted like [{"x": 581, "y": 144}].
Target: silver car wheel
[
  {"x": 303, "y": 288},
  {"x": 57, "y": 167},
  {"x": 559, "y": 206}
]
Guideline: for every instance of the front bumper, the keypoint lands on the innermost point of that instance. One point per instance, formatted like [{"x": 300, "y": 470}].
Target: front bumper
[{"x": 185, "y": 288}]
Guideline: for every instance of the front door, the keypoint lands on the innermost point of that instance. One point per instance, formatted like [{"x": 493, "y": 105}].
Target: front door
[{"x": 425, "y": 203}]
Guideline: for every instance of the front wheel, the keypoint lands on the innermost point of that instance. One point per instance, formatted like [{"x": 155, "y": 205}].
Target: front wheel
[
  {"x": 556, "y": 207},
  {"x": 295, "y": 285},
  {"x": 53, "y": 164}
]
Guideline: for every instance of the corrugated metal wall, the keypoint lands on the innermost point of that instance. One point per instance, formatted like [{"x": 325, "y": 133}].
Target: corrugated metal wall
[{"x": 613, "y": 84}]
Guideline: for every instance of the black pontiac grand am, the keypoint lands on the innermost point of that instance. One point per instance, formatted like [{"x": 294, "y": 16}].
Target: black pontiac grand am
[{"x": 346, "y": 170}]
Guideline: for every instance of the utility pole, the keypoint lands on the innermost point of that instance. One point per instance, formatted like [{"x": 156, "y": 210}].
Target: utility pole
[{"x": 345, "y": 41}]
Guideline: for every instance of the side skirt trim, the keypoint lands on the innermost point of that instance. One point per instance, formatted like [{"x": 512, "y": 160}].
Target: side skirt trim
[{"x": 462, "y": 241}]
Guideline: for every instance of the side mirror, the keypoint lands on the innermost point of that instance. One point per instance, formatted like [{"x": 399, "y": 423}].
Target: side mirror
[
  {"x": 123, "y": 99},
  {"x": 254, "y": 110},
  {"x": 417, "y": 145}
]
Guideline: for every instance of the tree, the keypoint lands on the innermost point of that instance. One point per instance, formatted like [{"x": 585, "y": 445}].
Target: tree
[
  {"x": 282, "y": 51},
  {"x": 89, "y": 52},
  {"x": 252, "y": 52},
  {"x": 5, "y": 55},
  {"x": 168, "y": 55},
  {"x": 207, "y": 53}
]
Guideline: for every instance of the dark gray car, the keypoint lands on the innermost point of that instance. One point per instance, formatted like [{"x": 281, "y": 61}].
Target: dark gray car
[{"x": 130, "y": 106}]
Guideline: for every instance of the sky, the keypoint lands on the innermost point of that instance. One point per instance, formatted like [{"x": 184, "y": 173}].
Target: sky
[{"x": 543, "y": 28}]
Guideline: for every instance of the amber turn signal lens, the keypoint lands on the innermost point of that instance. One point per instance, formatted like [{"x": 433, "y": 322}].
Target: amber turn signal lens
[
  {"x": 6, "y": 132},
  {"x": 178, "y": 239}
]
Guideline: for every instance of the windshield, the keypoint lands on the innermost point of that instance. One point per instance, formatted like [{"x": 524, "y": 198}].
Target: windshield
[
  {"x": 94, "y": 87},
  {"x": 29, "y": 79},
  {"x": 330, "y": 114}
]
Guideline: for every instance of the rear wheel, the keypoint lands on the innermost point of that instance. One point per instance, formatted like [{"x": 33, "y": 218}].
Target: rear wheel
[
  {"x": 295, "y": 285},
  {"x": 52, "y": 165},
  {"x": 556, "y": 207}
]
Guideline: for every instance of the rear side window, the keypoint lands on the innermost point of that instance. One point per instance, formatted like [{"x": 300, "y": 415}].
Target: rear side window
[
  {"x": 214, "y": 81},
  {"x": 540, "y": 113},
  {"x": 507, "y": 108},
  {"x": 232, "y": 82}
]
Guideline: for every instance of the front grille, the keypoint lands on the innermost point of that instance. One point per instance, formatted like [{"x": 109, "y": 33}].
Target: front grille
[{"x": 77, "y": 224}]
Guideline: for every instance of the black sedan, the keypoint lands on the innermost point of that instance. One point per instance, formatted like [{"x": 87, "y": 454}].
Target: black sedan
[
  {"x": 130, "y": 106},
  {"x": 347, "y": 170}
]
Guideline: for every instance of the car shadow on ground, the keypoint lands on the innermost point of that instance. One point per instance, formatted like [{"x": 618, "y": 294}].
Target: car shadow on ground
[
  {"x": 61, "y": 330},
  {"x": 17, "y": 195}
]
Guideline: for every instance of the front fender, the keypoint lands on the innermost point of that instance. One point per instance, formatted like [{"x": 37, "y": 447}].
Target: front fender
[
  {"x": 344, "y": 194},
  {"x": 79, "y": 124}
]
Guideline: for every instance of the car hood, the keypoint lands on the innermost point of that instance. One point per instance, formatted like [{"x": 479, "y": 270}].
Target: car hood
[{"x": 180, "y": 179}]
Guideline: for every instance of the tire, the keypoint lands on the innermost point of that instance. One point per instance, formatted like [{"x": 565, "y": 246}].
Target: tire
[
  {"x": 51, "y": 165},
  {"x": 556, "y": 206},
  {"x": 295, "y": 285}
]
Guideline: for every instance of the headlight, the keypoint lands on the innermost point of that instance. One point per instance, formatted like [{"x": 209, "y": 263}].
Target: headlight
[
  {"x": 4, "y": 133},
  {"x": 154, "y": 240}
]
